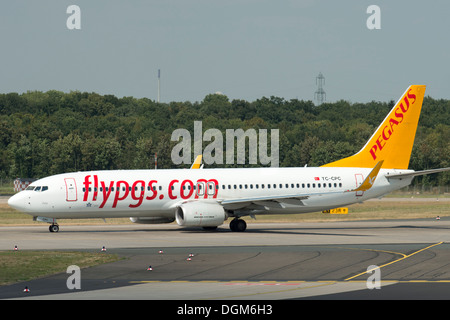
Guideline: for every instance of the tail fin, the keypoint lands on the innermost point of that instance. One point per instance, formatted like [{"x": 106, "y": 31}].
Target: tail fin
[{"x": 394, "y": 138}]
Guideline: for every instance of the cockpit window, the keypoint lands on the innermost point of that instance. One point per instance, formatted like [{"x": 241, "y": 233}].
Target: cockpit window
[{"x": 37, "y": 188}]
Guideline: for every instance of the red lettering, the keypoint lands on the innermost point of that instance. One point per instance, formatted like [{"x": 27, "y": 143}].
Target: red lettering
[
  {"x": 86, "y": 183},
  {"x": 137, "y": 190},
  {"x": 155, "y": 193},
  {"x": 106, "y": 192},
  {"x": 379, "y": 143},
  {"x": 384, "y": 133},
  {"x": 373, "y": 150},
  {"x": 95, "y": 188},
  {"x": 190, "y": 188},
  {"x": 171, "y": 196},
  {"x": 411, "y": 96},
  {"x": 215, "y": 185},
  {"x": 398, "y": 115},
  {"x": 117, "y": 196},
  {"x": 407, "y": 105},
  {"x": 139, "y": 198}
]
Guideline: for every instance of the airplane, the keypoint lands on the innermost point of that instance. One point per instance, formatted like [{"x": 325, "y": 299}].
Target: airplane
[{"x": 208, "y": 197}]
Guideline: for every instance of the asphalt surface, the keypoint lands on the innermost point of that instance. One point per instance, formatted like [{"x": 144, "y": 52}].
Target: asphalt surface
[{"x": 268, "y": 262}]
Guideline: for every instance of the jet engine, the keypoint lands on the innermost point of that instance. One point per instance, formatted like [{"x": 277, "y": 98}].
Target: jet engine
[
  {"x": 151, "y": 220},
  {"x": 200, "y": 214}
]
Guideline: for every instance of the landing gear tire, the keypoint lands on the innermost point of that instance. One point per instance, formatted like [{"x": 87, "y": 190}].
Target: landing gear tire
[
  {"x": 53, "y": 228},
  {"x": 238, "y": 225}
]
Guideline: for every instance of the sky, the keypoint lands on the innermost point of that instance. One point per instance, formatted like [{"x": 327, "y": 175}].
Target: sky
[{"x": 246, "y": 49}]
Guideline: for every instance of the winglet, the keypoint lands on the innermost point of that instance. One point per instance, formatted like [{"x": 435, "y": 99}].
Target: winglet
[
  {"x": 368, "y": 182},
  {"x": 197, "y": 162}
]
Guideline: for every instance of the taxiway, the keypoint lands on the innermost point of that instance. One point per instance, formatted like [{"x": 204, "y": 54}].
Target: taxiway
[{"x": 326, "y": 260}]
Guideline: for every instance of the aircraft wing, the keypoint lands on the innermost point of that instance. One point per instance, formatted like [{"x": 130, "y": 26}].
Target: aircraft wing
[
  {"x": 197, "y": 163},
  {"x": 292, "y": 199},
  {"x": 269, "y": 201}
]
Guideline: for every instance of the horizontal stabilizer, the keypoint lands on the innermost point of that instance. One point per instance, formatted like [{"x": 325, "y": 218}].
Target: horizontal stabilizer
[{"x": 415, "y": 173}]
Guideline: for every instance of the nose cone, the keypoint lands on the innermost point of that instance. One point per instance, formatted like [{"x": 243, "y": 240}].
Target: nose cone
[{"x": 17, "y": 201}]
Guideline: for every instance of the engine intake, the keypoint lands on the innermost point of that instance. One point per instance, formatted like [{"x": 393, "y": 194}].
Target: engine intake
[{"x": 200, "y": 214}]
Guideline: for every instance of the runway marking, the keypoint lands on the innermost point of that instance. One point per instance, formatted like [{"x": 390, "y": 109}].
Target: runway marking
[
  {"x": 392, "y": 262},
  {"x": 286, "y": 283},
  {"x": 320, "y": 284}
]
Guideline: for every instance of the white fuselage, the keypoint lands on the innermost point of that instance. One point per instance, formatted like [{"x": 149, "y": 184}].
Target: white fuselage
[{"x": 157, "y": 193}]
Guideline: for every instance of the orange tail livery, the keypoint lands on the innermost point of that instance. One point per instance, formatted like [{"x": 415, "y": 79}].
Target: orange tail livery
[{"x": 392, "y": 142}]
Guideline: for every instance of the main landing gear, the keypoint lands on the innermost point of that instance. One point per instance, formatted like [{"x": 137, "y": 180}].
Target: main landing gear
[
  {"x": 53, "y": 228},
  {"x": 238, "y": 225}
]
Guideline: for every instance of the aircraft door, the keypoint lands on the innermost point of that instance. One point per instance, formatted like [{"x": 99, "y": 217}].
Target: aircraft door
[
  {"x": 201, "y": 186},
  {"x": 71, "y": 189},
  {"x": 359, "y": 180}
]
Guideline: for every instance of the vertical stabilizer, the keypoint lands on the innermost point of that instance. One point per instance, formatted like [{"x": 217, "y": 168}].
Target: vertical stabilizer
[{"x": 392, "y": 142}]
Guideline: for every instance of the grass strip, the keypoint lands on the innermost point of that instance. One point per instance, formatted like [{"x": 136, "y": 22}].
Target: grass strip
[{"x": 17, "y": 266}]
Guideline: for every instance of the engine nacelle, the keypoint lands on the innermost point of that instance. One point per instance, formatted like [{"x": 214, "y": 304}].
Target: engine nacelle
[
  {"x": 151, "y": 220},
  {"x": 200, "y": 214}
]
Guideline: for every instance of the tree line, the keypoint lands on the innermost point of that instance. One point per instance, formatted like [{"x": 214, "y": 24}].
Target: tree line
[{"x": 45, "y": 133}]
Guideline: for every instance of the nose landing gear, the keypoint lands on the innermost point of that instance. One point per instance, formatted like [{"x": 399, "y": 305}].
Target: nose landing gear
[{"x": 54, "y": 227}]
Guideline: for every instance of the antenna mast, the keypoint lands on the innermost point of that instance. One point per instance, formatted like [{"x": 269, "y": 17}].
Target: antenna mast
[
  {"x": 320, "y": 94},
  {"x": 159, "y": 83}
]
